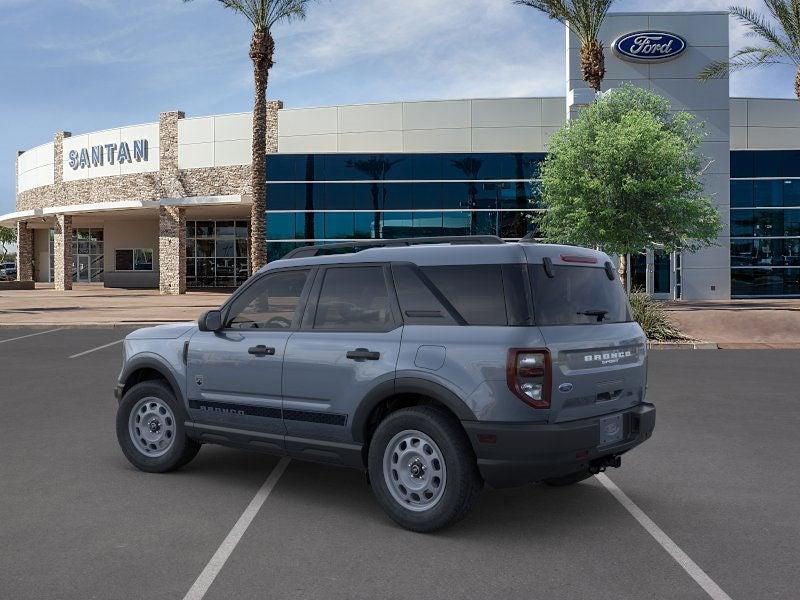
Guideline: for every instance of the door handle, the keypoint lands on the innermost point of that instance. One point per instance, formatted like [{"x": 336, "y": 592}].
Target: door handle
[
  {"x": 261, "y": 350},
  {"x": 363, "y": 354}
]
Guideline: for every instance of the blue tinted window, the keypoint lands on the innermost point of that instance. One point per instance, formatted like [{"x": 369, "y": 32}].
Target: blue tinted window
[
  {"x": 485, "y": 223},
  {"x": 457, "y": 223},
  {"x": 398, "y": 225},
  {"x": 768, "y": 193},
  {"x": 312, "y": 196},
  {"x": 742, "y": 164},
  {"x": 367, "y": 196},
  {"x": 741, "y": 194},
  {"x": 280, "y": 226},
  {"x": 791, "y": 222},
  {"x": 768, "y": 163},
  {"x": 339, "y": 225},
  {"x": 303, "y": 222},
  {"x": 426, "y": 166},
  {"x": 282, "y": 196},
  {"x": 281, "y": 167},
  {"x": 765, "y": 282},
  {"x": 455, "y": 195},
  {"x": 790, "y": 165},
  {"x": 367, "y": 225},
  {"x": 339, "y": 196},
  {"x": 742, "y": 223},
  {"x": 791, "y": 192},
  {"x": 484, "y": 195},
  {"x": 427, "y": 195},
  {"x": 397, "y": 196},
  {"x": 427, "y": 224}
]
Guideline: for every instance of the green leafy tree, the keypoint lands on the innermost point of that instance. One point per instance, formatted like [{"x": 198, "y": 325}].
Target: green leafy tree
[
  {"x": 584, "y": 19},
  {"x": 625, "y": 176},
  {"x": 263, "y": 15},
  {"x": 778, "y": 40},
  {"x": 7, "y": 237}
]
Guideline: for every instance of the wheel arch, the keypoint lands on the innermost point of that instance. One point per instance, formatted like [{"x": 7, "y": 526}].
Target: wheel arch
[
  {"x": 401, "y": 393},
  {"x": 148, "y": 368}
]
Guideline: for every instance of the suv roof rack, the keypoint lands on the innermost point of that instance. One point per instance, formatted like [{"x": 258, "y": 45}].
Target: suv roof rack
[{"x": 356, "y": 246}]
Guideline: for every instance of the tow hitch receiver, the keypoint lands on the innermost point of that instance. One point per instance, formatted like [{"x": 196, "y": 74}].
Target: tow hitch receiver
[{"x": 599, "y": 465}]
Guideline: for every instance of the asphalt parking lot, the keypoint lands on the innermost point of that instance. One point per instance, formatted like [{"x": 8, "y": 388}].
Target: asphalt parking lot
[{"x": 719, "y": 477}]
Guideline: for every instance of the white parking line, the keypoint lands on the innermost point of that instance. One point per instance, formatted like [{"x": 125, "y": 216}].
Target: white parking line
[
  {"x": 214, "y": 566},
  {"x": 688, "y": 565},
  {"x": 22, "y": 337},
  {"x": 79, "y": 354}
]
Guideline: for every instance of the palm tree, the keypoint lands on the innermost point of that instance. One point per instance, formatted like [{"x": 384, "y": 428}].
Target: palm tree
[
  {"x": 377, "y": 169},
  {"x": 263, "y": 15},
  {"x": 584, "y": 19},
  {"x": 780, "y": 41}
]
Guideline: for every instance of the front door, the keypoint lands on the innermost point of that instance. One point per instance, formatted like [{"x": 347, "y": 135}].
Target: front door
[
  {"x": 348, "y": 344},
  {"x": 234, "y": 375},
  {"x": 83, "y": 269}
]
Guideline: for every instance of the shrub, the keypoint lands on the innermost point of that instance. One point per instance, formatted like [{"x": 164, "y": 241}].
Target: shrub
[{"x": 652, "y": 317}]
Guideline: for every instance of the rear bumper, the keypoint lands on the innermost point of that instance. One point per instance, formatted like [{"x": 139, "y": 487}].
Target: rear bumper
[{"x": 528, "y": 452}]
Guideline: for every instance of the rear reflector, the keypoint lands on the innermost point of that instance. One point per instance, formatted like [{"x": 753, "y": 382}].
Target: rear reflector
[
  {"x": 577, "y": 258},
  {"x": 487, "y": 438}
]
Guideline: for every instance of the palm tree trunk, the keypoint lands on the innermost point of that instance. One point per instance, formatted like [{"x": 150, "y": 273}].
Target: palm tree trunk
[
  {"x": 593, "y": 64},
  {"x": 623, "y": 271},
  {"x": 797, "y": 84},
  {"x": 262, "y": 48}
]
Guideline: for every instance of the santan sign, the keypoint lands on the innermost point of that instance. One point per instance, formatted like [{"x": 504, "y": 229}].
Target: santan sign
[
  {"x": 97, "y": 156},
  {"x": 649, "y": 46}
]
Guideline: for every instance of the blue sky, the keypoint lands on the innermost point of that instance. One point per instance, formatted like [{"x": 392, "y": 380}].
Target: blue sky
[{"x": 84, "y": 65}]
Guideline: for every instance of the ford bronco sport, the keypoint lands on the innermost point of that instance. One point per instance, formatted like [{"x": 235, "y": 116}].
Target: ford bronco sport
[{"x": 434, "y": 365}]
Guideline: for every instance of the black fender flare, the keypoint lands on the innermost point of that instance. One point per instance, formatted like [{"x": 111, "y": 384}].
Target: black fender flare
[
  {"x": 406, "y": 385},
  {"x": 153, "y": 363}
]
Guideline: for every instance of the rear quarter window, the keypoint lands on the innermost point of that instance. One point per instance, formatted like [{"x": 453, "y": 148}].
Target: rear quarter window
[
  {"x": 577, "y": 295},
  {"x": 475, "y": 291}
]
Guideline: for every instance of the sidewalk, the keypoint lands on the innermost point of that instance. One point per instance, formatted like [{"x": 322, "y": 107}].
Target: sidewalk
[
  {"x": 740, "y": 323},
  {"x": 93, "y": 305}
]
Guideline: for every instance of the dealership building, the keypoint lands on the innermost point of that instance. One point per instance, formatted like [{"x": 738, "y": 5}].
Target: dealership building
[{"x": 167, "y": 204}]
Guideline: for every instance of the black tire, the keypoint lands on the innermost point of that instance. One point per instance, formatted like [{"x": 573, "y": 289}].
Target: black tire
[
  {"x": 182, "y": 450},
  {"x": 463, "y": 483},
  {"x": 565, "y": 480}
]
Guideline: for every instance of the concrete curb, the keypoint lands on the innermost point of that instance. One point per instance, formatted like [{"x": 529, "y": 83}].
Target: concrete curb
[{"x": 689, "y": 345}]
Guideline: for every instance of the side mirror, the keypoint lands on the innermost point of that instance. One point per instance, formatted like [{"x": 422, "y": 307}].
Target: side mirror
[{"x": 210, "y": 321}]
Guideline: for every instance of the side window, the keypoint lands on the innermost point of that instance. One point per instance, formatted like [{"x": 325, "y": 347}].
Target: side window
[
  {"x": 269, "y": 303},
  {"x": 353, "y": 299},
  {"x": 418, "y": 304},
  {"x": 476, "y": 291}
]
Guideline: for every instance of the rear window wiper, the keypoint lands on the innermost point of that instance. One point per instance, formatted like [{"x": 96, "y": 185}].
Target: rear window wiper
[{"x": 600, "y": 314}]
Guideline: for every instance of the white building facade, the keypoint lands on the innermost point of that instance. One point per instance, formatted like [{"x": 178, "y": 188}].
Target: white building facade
[{"x": 167, "y": 204}]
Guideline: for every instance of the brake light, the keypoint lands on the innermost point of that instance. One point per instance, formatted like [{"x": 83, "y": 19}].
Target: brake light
[
  {"x": 577, "y": 258},
  {"x": 528, "y": 373}
]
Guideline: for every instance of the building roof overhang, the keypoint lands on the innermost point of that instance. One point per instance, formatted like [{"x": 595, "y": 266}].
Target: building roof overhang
[{"x": 11, "y": 219}]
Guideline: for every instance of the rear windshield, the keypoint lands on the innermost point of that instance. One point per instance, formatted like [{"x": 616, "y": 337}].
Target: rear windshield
[{"x": 577, "y": 296}]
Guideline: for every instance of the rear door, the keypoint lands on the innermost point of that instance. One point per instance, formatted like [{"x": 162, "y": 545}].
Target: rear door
[
  {"x": 348, "y": 344},
  {"x": 234, "y": 375},
  {"x": 598, "y": 353}
]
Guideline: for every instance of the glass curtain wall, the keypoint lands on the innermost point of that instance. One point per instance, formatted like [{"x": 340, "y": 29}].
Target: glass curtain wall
[
  {"x": 217, "y": 253},
  {"x": 765, "y": 223},
  {"x": 326, "y": 198}
]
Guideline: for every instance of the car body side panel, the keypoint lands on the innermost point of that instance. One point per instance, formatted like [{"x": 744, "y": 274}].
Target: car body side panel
[{"x": 474, "y": 366}]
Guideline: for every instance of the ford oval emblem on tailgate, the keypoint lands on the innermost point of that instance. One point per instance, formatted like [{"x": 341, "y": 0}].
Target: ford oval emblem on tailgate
[{"x": 565, "y": 387}]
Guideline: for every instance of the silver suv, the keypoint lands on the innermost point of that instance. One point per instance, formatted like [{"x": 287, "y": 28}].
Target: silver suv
[{"x": 434, "y": 365}]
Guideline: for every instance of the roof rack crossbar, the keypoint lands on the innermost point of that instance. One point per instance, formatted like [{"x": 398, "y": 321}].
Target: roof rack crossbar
[{"x": 355, "y": 246}]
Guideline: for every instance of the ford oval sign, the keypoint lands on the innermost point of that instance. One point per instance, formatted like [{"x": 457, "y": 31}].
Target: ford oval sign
[{"x": 649, "y": 46}]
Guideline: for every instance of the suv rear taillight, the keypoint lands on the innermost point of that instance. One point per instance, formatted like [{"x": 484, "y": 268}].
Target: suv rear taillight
[{"x": 528, "y": 373}]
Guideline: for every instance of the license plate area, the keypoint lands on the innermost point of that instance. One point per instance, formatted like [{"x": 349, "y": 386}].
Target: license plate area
[{"x": 611, "y": 429}]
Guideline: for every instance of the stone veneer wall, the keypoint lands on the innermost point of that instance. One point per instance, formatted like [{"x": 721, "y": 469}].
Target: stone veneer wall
[
  {"x": 24, "y": 252},
  {"x": 172, "y": 250},
  {"x": 62, "y": 251}
]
